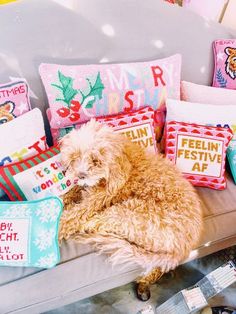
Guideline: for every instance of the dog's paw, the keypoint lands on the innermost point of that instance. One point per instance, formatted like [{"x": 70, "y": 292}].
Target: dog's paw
[{"x": 143, "y": 292}]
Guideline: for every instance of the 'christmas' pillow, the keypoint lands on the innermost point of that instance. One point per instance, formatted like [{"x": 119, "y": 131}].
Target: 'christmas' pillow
[
  {"x": 29, "y": 233},
  {"x": 36, "y": 177},
  {"x": 137, "y": 126},
  {"x": 199, "y": 152},
  {"x": 225, "y": 63},
  {"x": 14, "y": 100},
  {"x": 78, "y": 93},
  {"x": 22, "y": 137}
]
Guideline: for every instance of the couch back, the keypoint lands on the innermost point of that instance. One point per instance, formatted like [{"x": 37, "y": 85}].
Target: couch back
[{"x": 88, "y": 31}]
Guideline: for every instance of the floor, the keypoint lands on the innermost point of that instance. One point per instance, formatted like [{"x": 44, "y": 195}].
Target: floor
[{"x": 122, "y": 300}]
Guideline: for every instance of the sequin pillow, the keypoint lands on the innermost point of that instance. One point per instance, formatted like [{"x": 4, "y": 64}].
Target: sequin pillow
[
  {"x": 36, "y": 177},
  {"x": 225, "y": 63},
  {"x": 29, "y": 233},
  {"x": 14, "y": 100},
  {"x": 78, "y": 93},
  {"x": 199, "y": 152}
]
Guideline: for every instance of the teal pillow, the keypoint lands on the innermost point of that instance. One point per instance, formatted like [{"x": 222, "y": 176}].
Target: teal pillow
[
  {"x": 231, "y": 156},
  {"x": 29, "y": 233}
]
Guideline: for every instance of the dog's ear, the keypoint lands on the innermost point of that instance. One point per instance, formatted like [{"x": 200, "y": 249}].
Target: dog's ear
[{"x": 118, "y": 174}]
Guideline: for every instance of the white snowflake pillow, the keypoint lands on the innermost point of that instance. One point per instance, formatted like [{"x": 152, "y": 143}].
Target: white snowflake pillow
[{"x": 29, "y": 233}]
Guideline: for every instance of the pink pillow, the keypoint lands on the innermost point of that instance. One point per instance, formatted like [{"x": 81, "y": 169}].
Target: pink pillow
[
  {"x": 137, "y": 126},
  {"x": 78, "y": 93},
  {"x": 225, "y": 63},
  {"x": 207, "y": 94},
  {"x": 14, "y": 100},
  {"x": 199, "y": 152}
]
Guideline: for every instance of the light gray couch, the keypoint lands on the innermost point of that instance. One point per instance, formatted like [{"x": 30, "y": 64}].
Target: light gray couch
[{"x": 35, "y": 31}]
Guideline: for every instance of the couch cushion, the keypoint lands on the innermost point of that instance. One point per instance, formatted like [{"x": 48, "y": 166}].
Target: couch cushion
[
  {"x": 69, "y": 251},
  {"x": 219, "y": 209}
]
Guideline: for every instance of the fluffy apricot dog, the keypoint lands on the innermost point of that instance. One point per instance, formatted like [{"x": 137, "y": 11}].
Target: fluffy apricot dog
[{"x": 134, "y": 206}]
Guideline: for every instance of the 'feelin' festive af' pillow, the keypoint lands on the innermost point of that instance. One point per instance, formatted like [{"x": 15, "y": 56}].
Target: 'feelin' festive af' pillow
[
  {"x": 29, "y": 233},
  {"x": 137, "y": 126},
  {"x": 36, "y": 177},
  {"x": 78, "y": 93},
  {"x": 14, "y": 100},
  {"x": 211, "y": 115},
  {"x": 225, "y": 63},
  {"x": 199, "y": 152}
]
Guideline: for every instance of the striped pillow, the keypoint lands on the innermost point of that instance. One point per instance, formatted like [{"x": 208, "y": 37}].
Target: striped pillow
[{"x": 36, "y": 177}]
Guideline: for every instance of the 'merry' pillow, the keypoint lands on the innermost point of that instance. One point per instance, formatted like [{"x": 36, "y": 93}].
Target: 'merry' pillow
[
  {"x": 36, "y": 177},
  {"x": 78, "y": 93},
  {"x": 199, "y": 152},
  {"x": 29, "y": 233}
]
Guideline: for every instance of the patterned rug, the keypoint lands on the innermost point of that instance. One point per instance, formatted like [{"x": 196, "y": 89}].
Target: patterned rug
[{"x": 123, "y": 300}]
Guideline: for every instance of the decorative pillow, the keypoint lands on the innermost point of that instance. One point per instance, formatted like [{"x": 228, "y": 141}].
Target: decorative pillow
[
  {"x": 36, "y": 177},
  {"x": 137, "y": 125},
  {"x": 215, "y": 115},
  {"x": 199, "y": 152},
  {"x": 225, "y": 63},
  {"x": 207, "y": 94},
  {"x": 14, "y": 100},
  {"x": 211, "y": 115},
  {"x": 78, "y": 93},
  {"x": 21, "y": 138},
  {"x": 29, "y": 233}
]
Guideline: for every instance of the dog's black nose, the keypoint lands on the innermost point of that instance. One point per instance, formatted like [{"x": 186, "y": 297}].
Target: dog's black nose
[{"x": 81, "y": 175}]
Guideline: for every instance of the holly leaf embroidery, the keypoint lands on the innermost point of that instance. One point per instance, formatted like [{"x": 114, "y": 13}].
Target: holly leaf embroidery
[
  {"x": 66, "y": 88},
  {"x": 95, "y": 89}
]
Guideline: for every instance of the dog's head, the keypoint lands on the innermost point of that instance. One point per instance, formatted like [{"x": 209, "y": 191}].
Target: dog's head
[{"x": 95, "y": 154}]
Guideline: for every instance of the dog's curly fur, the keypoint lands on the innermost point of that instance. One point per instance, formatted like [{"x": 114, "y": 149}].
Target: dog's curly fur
[{"x": 135, "y": 207}]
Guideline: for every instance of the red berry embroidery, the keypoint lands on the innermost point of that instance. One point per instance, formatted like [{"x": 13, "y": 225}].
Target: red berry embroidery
[
  {"x": 75, "y": 105},
  {"x": 74, "y": 117},
  {"x": 63, "y": 112}
]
